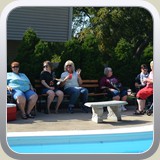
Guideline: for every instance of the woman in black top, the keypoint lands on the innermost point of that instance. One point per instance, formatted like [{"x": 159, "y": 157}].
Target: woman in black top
[{"x": 49, "y": 86}]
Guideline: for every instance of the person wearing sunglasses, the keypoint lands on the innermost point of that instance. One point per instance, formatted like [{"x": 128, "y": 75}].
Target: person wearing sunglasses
[
  {"x": 49, "y": 86},
  {"x": 71, "y": 83},
  {"x": 23, "y": 93}
]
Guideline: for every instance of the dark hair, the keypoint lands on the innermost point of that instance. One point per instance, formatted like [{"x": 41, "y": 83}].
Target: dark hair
[
  {"x": 144, "y": 66},
  {"x": 15, "y": 63},
  {"x": 50, "y": 64}
]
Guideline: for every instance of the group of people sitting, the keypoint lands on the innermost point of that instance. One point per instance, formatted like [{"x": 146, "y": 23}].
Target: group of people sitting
[{"x": 22, "y": 91}]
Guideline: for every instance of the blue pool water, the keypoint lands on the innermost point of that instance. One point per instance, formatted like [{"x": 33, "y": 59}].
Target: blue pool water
[{"x": 101, "y": 143}]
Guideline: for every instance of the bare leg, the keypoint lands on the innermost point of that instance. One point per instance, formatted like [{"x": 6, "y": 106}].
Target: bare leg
[
  {"x": 141, "y": 104},
  {"x": 21, "y": 102},
  {"x": 50, "y": 98},
  {"x": 124, "y": 98},
  {"x": 31, "y": 103},
  {"x": 117, "y": 98},
  {"x": 60, "y": 98}
]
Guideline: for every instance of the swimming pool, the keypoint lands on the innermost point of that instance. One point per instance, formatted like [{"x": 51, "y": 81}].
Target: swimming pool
[{"x": 131, "y": 142}]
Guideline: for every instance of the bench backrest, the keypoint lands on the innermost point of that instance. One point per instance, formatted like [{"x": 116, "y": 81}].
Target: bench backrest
[
  {"x": 37, "y": 86},
  {"x": 91, "y": 85}
]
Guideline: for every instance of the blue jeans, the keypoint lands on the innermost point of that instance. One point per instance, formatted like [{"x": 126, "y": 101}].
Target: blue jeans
[
  {"x": 75, "y": 92},
  {"x": 117, "y": 93}
]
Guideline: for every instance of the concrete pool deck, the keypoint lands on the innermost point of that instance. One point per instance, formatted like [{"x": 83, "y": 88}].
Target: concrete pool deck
[{"x": 76, "y": 121}]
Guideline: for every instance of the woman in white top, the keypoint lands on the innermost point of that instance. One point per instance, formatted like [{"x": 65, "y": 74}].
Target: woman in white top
[{"x": 71, "y": 82}]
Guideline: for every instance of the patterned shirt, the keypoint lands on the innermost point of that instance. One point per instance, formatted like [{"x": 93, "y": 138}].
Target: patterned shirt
[{"x": 110, "y": 82}]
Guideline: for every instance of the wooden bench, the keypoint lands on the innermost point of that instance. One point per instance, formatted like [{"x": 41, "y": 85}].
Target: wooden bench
[
  {"x": 91, "y": 85},
  {"x": 93, "y": 88},
  {"x": 113, "y": 109},
  {"x": 38, "y": 86}
]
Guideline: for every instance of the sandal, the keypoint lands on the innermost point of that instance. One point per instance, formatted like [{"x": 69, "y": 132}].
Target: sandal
[
  {"x": 56, "y": 110},
  {"x": 24, "y": 116},
  {"x": 29, "y": 116},
  {"x": 137, "y": 112}
]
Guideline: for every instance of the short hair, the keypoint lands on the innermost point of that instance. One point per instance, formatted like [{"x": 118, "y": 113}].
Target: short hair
[
  {"x": 144, "y": 66},
  {"x": 50, "y": 64},
  {"x": 69, "y": 62},
  {"x": 15, "y": 63},
  {"x": 107, "y": 70}
]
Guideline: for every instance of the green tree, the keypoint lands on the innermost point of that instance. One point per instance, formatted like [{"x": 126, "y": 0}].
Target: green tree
[
  {"x": 84, "y": 52},
  {"x": 26, "y": 52},
  {"x": 124, "y": 36}
]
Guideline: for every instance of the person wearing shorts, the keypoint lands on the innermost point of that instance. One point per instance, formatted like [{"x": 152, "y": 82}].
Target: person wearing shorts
[
  {"x": 20, "y": 87},
  {"x": 49, "y": 86}
]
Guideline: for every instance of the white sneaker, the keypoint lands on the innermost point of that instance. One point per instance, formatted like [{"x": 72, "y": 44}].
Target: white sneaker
[{"x": 123, "y": 108}]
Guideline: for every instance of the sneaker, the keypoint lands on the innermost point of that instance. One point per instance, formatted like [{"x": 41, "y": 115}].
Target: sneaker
[
  {"x": 84, "y": 109},
  {"x": 123, "y": 108},
  {"x": 70, "y": 110}
]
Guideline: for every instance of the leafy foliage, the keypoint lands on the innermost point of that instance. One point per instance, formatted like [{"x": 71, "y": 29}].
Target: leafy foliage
[
  {"x": 124, "y": 36},
  {"x": 119, "y": 37},
  {"x": 33, "y": 52}
]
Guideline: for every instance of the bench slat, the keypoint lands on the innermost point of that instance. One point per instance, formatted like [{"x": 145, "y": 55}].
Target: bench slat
[
  {"x": 97, "y": 94},
  {"x": 90, "y": 81},
  {"x": 90, "y": 85}
]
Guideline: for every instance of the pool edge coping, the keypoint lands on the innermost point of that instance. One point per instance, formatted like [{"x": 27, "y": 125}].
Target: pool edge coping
[{"x": 82, "y": 132}]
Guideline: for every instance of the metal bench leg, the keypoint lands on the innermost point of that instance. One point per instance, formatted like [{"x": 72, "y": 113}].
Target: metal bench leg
[
  {"x": 97, "y": 114},
  {"x": 114, "y": 112}
]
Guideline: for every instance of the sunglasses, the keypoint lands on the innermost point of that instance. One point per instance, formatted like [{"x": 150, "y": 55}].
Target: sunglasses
[
  {"x": 46, "y": 66},
  {"x": 15, "y": 66},
  {"x": 69, "y": 66}
]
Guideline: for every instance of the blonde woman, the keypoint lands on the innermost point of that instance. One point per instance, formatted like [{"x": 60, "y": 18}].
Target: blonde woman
[
  {"x": 71, "y": 82},
  {"x": 49, "y": 86},
  {"x": 145, "y": 92}
]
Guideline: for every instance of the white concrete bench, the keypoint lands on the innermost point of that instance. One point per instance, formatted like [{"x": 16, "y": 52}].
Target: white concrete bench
[{"x": 113, "y": 109}]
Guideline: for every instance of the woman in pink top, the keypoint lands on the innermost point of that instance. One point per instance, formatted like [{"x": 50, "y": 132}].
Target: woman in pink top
[{"x": 144, "y": 93}]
